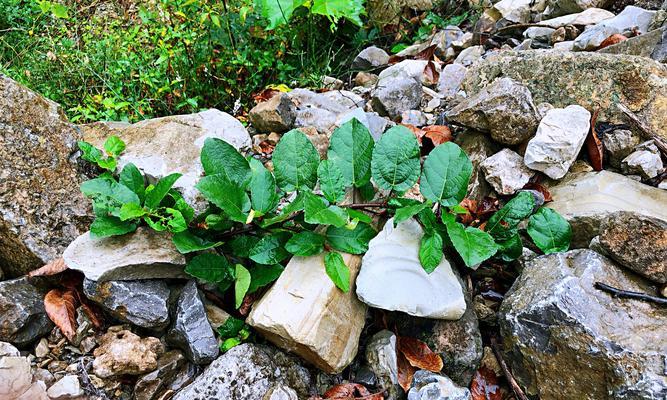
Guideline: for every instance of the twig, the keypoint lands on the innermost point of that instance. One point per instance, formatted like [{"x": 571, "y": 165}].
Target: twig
[
  {"x": 510, "y": 378},
  {"x": 626, "y": 294},
  {"x": 364, "y": 205},
  {"x": 643, "y": 128}
]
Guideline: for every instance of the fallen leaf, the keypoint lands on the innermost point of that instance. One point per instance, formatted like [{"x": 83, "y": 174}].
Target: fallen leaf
[
  {"x": 93, "y": 313},
  {"x": 350, "y": 391},
  {"x": 427, "y": 54},
  {"x": 265, "y": 95},
  {"x": 611, "y": 40},
  {"x": 395, "y": 59},
  {"x": 405, "y": 372},
  {"x": 61, "y": 306},
  {"x": 419, "y": 133},
  {"x": 594, "y": 145},
  {"x": 54, "y": 267},
  {"x": 539, "y": 188},
  {"x": 419, "y": 355},
  {"x": 471, "y": 206},
  {"x": 431, "y": 73},
  {"x": 485, "y": 386},
  {"x": 438, "y": 134}
]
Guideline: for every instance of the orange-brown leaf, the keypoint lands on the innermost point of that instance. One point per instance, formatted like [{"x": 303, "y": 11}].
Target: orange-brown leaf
[
  {"x": 419, "y": 133},
  {"x": 54, "y": 267},
  {"x": 61, "y": 306},
  {"x": 611, "y": 40},
  {"x": 594, "y": 145},
  {"x": 539, "y": 188},
  {"x": 427, "y": 54},
  {"x": 351, "y": 391},
  {"x": 265, "y": 95},
  {"x": 419, "y": 355},
  {"x": 431, "y": 73},
  {"x": 438, "y": 134},
  {"x": 485, "y": 385},
  {"x": 405, "y": 371}
]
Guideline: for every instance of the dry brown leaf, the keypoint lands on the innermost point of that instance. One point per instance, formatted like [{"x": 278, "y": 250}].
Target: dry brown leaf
[
  {"x": 539, "y": 188},
  {"x": 265, "y": 95},
  {"x": 427, "y": 54},
  {"x": 485, "y": 386},
  {"x": 594, "y": 145},
  {"x": 54, "y": 267},
  {"x": 61, "y": 306},
  {"x": 419, "y": 355},
  {"x": 438, "y": 134},
  {"x": 394, "y": 59},
  {"x": 405, "y": 371},
  {"x": 431, "y": 73},
  {"x": 419, "y": 133},
  {"x": 611, "y": 40},
  {"x": 349, "y": 391}
]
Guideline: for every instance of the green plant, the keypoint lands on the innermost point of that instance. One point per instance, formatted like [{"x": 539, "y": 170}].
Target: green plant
[{"x": 279, "y": 12}]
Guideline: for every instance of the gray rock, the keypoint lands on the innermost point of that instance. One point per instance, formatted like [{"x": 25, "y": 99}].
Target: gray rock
[
  {"x": 450, "y": 80},
  {"x": 248, "y": 371},
  {"x": 504, "y": 108},
  {"x": 517, "y": 11},
  {"x": 151, "y": 385},
  {"x": 564, "y": 339},
  {"x": 618, "y": 144},
  {"x": 383, "y": 360},
  {"x": 41, "y": 207},
  {"x": 645, "y": 161},
  {"x": 589, "y": 16},
  {"x": 392, "y": 96},
  {"x": 274, "y": 115},
  {"x": 469, "y": 56},
  {"x": 369, "y": 58},
  {"x": 142, "y": 303},
  {"x": 540, "y": 34},
  {"x": 191, "y": 331},
  {"x": 478, "y": 147},
  {"x": 280, "y": 392},
  {"x": 365, "y": 79},
  {"x": 555, "y": 8},
  {"x": 23, "y": 318},
  {"x": 506, "y": 172},
  {"x": 559, "y": 138},
  {"x": 321, "y": 110},
  {"x": 144, "y": 254},
  {"x": 636, "y": 242},
  {"x": 67, "y": 387},
  {"x": 413, "y": 117},
  {"x": 429, "y": 386},
  {"x": 630, "y": 19},
  {"x": 406, "y": 69}
]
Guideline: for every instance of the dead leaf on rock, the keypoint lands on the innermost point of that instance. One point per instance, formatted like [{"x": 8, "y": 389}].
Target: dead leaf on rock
[
  {"x": 265, "y": 95},
  {"x": 431, "y": 73},
  {"x": 61, "y": 306},
  {"x": 349, "y": 391},
  {"x": 485, "y": 386},
  {"x": 538, "y": 187},
  {"x": 594, "y": 145},
  {"x": 438, "y": 134},
  {"x": 419, "y": 355},
  {"x": 405, "y": 372},
  {"x": 419, "y": 133},
  {"x": 611, "y": 40},
  {"x": 427, "y": 54},
  {"x": 54, "y": 267}
]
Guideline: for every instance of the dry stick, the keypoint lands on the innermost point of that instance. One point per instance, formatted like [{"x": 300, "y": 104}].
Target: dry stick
[
  {"x": 510, "y": 378},
  {"x": 643, "y": 128},
  {"x": 626, "y": 294}
]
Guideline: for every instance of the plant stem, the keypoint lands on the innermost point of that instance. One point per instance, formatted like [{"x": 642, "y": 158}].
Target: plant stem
[
  {"x": 503, "y": 365},
  {"x": 365, "y": 205},
  {"x": 626, "y": 294}
]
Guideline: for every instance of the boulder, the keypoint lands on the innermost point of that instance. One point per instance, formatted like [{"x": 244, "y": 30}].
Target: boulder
[
  {"x": 631, "y": 19},
  {"x": 406, "y": 69},
  {"x": 427, "y": 385},
  {"x": 67, "y": 387},
  {"x": 559, "y": 138},
  {"x": 652, "y": 44},
  {"x": 144, "y": 254},
  {"x": 564, "y": 339},
  {"x": 587, "y": 199},
  {"x": 506, "y": 172},
  {"x": 392, "y": 96},
  {"x": 142, "y": 303},
  {"x": 274, "y": 115},
  {"x": 478, "y": 147},
  {"x": 555, "y": 8},
  {"x": 370, "y": 58},
  {"x": 191, "y": 331},
  {"x": 517, "y": 11},
  {"x": 41, "y": 207},
  {"x": 23, "y": 318},
  {"x": 320, "y": 110},
  {"x": 305, "y": 313},
  {"x": 15, "y": 376},
  {"x": 636, "y": 242},
  {"x": 618, "y": 144},
  {"x": 646, "y": 161},
  {"x": 248, "y": 371},
  {"x": 589, "y": 16},
  {"x": 392, "y": 278},
  {"x": 592, "y": 80},
  {"x": 504, "y": 108},
  {"x": 121, "y": 352}
]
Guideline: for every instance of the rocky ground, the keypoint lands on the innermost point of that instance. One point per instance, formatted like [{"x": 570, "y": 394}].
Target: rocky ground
[{"x": 556, "y": 96}]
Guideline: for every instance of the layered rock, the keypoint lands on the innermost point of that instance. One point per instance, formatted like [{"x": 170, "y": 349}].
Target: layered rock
[
  {"x": 23, "y": 318},
  {"x": 506, "y": 172},
  {"x": 173, "y": 372},
  {"x": 631, "y": 19},
  {"x": 274, "y": 115},
  {"x": 392, "y": 96}
]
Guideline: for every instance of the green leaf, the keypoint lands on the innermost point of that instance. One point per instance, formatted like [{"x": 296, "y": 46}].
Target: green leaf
[
  {"x": 227, "y": 195},
  {"x": 358, "y": 216},
  {"x": 90, "y": 152},
  {"x": 114, "y": 146},
  {"x": 229, "y": 344},
  {"x": 263, "y": 195},
  {"x": 175, "y": 220},
  {"x": 241, "y": 285},
  {"x": 108, "y": 163},
  {"x": 305, "y": 243},
  {"x": 60, "y": 11},
  {"x": 270, "y": 249},
  {"x": 335, "y": 9},
  {"x": 351, "y": 149},
  {"x": 353, "y": 241},
  {"x": 337, "y": 270},
  {"x": 231, "y": 327},
  {"x": 220, "y": 157},
  {"x": 510, "y": 249},
  {"x": 262, "y": 275},
  {"x": 318, "y": 212},
  {"x": 187, "y": 242},
  {"x": 430, "y": 252},
  {"x": 331, "y": 181},
  {"x": 185, "y": 209},
  {"x": 295, "y": 162},
  {"x": 549, "y": 231},
  {"x": 155, "y": 196},
  {"x": 132, "y": 178},
  {"x": 278, "y": 12},
  {"x": 295, "y": 206},
  {"x": 405, "y": 213},
  {"x": 503, "y": 224},
  {"x": 241, "y": 245},
  {"x": 131, "y": 211},
  {"x": 218, "y": 222},
  {"x": 211, "y": 268},
  {"x": 472, "y": 244},
  {"x": 395, "y": 165},
  {"x": 101, "y": 187},
  {"x": 110, "y": 226},
  {"x": 446, "y": 173}
]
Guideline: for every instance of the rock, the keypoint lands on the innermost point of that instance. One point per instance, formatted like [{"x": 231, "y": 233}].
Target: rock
[
  {"x": 8, "y": 350},
  {"x": 280, "y": 392},
  {"x": 429, "y": 386},
  {"x": 555, "y": 8},
  {"x": 645, "y": 161},
  {"x": 383, "y": 12},
  {"x": 587, "y": 199},
  {"x": 150, "y": 146},
  {"x": 567, "y": 32},
  {"x": 636, "y": 242},
  {"x": 23, "y": 318},
  {"x": 36, "y": 391},
  {"x": 274, "y": 115},
  {"x": 590, "y": 16},
  {"x": 365, "y": 79},
  {"x": 320, "y": 110},
  {"x": 392, "y": 96},
  {"x": 305, "y": 313},
  {"x": 559, "y": 138},
  {"x": 450, "y": 80},
  {"x": 124, "y": 353},
  {"x": 565, "y": 339},
  {"x": 504, "y": 108},
  {"x": 151, "y": 385},
  {"x": 591, "y": 80},
  {"x": 406, "y": 69},
  {"x": 67, "y": 387},
  {"x": 391, "y": 277},
  {"x": 191, "y": 331},
  {"x": 370, "y": 58},
  {"x": 469, "y": 56},
  {"x": 331, "y": 83},
  {"x": 216, "y": 315},
  {"x": 618, "y": 144},
  {"x": 144, "y": 254},
  {"x": 41, "y": 206},
  {"x": 42, "y": 348},
  {"x": 631, "y": 19},
  {"x": 506, "y": 172},
  {"x": 478, "y": 147},
  {"x": 413, "y": 117},
  {"x": 15, "y": 376},
  {"x": 142, "y": 303},
  {"x": 517, "y": 11},
  {"x": 248, "y": 371},
  {"x": 564, "y": 46},
  {"x": 652, "y": 44},
  {"x": 383, "y": 360},
  {"x": 538, "y": 33}
]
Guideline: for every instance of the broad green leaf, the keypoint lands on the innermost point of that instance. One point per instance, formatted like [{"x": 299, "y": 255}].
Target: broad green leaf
[
  {"x": 353, "y": 241},
  {"x": 231, "y": 327},
  {"x": 263, "y": 195},
  {"x": 155, "y": 196},
  {"x": 90, "y": 152},
  {"x": 395, "y": 165},
  {"x": 114, "y": 146},
  {"x": 210, "y": 268},
  {"x": 270, "y": 249},
  {"x": 131, "y": 211},
  {"x": 335, "y": 9},
  {"x": 472, "y": 244},
  {"x": 220, "y": 157},
  {"x": 218, "y": 222},
  {"x": 156, "y": 222},
  {"x": 332, "y": 182},
  {"x": 405, "y": 213},
  {"x": 227, "y": 195},
  {"x": 60, "y": 11},
  {"x": 318, "y": 212},
  {"x": 367, "y": 191},
  {"x": 503, "y": 224},
  {"x": 175, "y": 220},
  {"x": 549, "y": 231},
  {"x": 358, "y": 216},
  {"x": 278, "y": 12},
  {"x": 262, "y": 275},
  {"x": 229, "y": 344},
  {"x": 337, "y": 270},
  {"x": 510, "y": 249},
  {"x": 119, "y": 194},
  {"x": 185, "y": 209},
  {"x": 446, "y": 173},
  {"x": 110, "y": 226},
  {"x": 351, "y": 149},
  {"x": 430, "y": 252},
  {"x": 305, "y": 243},
  {"x": 241, "y": 245},
  {"x": 108, "y": 163},
  {"x": 295, "y": 162},
  {"x": 295, "y": 206},
  {"x": 241, "y": 285},
  {"x": 131, "y": 177},
  {"x": 187, "y": 242}
]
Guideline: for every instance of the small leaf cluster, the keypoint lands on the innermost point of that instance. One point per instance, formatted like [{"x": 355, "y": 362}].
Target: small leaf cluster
[{"x": 233, "y": 332}]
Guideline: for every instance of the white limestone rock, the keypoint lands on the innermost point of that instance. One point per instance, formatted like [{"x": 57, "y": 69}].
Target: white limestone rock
[
  {"x": 645, "y": 161},
  {"x": 468, "y": 56},
  {"x": 15, "y": 376},
  {"x": 590, "y": 16},
  {"x": 406, "y": 69},
  {"x": 506, "y": 172},
  {"x": 450, "y": 80},
  {"x": 514, "y": 10},
  {"x": 630, "y": 19},
  {"x": 68, "y": 387}
]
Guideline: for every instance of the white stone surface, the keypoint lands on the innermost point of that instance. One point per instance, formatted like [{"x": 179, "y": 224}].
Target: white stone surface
[
  {"x": 558, "y": 140},
  {"x": 15, "y": 377},
  {"x": 67, "y": 387},
  {"x": 450, "y": 79},
  {"x": 587, "y": 17},
  {"x": 646, "y": 161},
  {"x": 391, "y": 277},
  {"x": 406, "y": 69},
  {"x": 468, "y": 56},
  {"x": 506, "y": 172},
  {"x": 514, "y": 10},
  {"x": 630, "y": 19}
]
